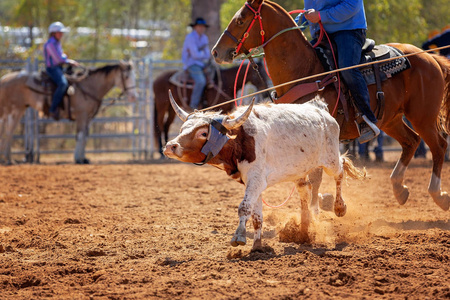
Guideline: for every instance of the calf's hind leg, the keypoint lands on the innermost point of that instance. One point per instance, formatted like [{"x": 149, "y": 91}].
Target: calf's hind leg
[
  {"x": 340, "y": 208},
  {"x": 304, "y": 189}
]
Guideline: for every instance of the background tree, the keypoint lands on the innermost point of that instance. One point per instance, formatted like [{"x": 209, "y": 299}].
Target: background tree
[
  {"x": 210, "y": 11},
  {"x": 104, "y": 25}
]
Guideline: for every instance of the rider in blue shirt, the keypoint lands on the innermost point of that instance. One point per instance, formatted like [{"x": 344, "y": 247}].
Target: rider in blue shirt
[
  {"x": 195, "y": 55},
  {"x": 345, "y": 21},
  {"x": 54, "y": 58}
]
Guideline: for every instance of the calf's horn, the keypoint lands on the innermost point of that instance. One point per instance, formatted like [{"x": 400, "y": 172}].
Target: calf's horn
[
  {"x": 178, "y": 110},
  {"x": 235, "y": 123}
]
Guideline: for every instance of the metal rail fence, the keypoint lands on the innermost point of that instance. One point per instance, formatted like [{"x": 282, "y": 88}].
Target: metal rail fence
[{"x": 135, "y": 119}]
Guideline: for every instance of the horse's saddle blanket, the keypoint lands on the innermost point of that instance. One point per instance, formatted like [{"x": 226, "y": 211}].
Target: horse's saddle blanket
[
  {"x": 41, "y": 83},
  {"x": 371, "y": 53}
]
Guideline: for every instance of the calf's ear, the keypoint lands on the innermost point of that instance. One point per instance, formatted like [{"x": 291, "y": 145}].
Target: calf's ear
[{"x": 178, "y": 110}]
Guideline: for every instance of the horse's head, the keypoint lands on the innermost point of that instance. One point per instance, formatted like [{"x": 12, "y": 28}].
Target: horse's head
[
  {"x": 252, "y": 25},
  {"x": 126, "y": 80},
  {"x": 243, "y": 32}
]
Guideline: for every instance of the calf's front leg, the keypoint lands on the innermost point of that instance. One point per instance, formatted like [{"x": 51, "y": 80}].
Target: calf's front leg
[
  {"x": 257, "y": 219},
  {"x": 246, "y": 208}
]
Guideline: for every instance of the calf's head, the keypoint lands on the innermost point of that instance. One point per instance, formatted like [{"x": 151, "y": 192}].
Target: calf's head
[{"x": 197, "y": 131}]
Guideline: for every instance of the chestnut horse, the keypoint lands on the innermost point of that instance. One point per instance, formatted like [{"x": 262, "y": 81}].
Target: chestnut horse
[
  {"x": 228, "y": 76},
  {"x": 421, "y": 93},
  {"x": 15, "y": 97}
]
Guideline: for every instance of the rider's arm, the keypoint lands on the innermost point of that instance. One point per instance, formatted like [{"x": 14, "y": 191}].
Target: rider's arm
[
  {"x": 341, "y": 12},
  {"x": 54, "y": 50},
  {"x": 194, "y": 51}
]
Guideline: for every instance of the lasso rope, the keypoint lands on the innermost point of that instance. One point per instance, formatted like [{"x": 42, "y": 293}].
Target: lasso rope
[{"x": 322, "y": 74}]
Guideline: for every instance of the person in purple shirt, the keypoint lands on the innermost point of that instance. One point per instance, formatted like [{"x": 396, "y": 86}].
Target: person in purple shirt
[
  {"x": 54, "y": 58},
  {"x": 195, "y": 56},
  {"x": 345, "y": 21}
]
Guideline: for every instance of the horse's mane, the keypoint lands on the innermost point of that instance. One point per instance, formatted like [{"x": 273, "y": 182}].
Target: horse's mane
[
  {"x": 105, "y": 69},
  {"x": 278, "y": 6}
]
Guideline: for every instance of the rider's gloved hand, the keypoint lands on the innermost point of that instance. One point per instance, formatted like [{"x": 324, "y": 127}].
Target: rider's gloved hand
[{"x": 312, "y": 15}]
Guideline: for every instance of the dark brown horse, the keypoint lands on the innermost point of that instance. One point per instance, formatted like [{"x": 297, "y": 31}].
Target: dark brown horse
[
  {"x": 228, "y": 76},
  {"x": 421, "y": 93}
]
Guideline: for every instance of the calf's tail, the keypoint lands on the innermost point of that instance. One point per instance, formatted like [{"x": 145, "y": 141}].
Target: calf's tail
[{"x": 351, "y": 170}]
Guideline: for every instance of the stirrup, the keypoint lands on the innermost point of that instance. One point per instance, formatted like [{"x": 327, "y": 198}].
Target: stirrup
[
  {"x": 372, "y": 126},
  {"x": 368, "y": 131}
]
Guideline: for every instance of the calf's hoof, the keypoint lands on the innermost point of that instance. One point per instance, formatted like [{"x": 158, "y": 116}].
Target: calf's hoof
[
  {"x": 238, "y": 240},
  {"x": 340, "y": 208}
]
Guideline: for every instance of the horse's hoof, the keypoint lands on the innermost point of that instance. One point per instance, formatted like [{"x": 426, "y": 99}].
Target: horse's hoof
[
  {"x": 443, "y": 201},
  {"x": 326, "y": 202},
  {"x": 83, "y": 161},
  {"x": 403, "y": 195},
  {"x": 340, "y": 208},
  {"x": 238, "y": 240}
]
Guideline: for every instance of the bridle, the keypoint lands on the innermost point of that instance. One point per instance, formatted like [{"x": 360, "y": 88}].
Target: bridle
[
  {"x": 240, "y": 42},
  {"x": 125, "y": 88},
  {"x": 257, "y": 13}
]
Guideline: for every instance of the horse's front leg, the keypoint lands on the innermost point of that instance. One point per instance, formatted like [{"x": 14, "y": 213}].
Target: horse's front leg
[
  {"x": 253, "y": 191},
  {"x": 81, "y": 138},
  {"x": 409, "y": 141},
  {"x": 11, "y": 123}
]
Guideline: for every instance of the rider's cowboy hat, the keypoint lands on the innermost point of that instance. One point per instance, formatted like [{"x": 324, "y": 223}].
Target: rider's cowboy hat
[{"x": 199, "y": 21}]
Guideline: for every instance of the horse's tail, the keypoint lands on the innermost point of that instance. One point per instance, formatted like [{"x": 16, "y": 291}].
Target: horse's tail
[
  {"x": 444, "y": 115},
  {"x": 351, "y": 170}
]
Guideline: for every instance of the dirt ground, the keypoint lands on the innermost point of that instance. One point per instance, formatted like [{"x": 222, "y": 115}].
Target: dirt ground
[{"x": 147, "y": 231}]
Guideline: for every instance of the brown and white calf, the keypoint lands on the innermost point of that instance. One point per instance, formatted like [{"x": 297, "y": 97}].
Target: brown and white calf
[{"x": 262, "y": 145}]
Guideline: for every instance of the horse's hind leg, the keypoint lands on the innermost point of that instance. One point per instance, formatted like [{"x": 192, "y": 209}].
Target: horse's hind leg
[
  {"x": 409, "y": 141},
  {"x": 168, "y": 122},
  {"x": 437, "y": 145}
]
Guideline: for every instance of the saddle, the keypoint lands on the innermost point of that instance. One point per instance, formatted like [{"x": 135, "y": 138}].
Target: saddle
[
  {"x": 41, "y": 83},
  {"x": 183, "y": 81},
  {"x": 373, "y": 74}
]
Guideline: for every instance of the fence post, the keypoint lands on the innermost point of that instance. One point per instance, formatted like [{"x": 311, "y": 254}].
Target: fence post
[
  {"x": 28, "y": 133},
  {"x": 151, "y": 107},
  {"x": 142, "y": 110}
]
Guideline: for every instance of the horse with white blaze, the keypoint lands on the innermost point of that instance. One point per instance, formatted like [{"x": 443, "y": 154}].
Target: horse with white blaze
[{"x": 261, "y": 145}]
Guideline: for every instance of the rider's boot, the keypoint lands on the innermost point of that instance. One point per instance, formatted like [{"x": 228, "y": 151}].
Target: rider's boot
[{"x": 368, "y": 130}]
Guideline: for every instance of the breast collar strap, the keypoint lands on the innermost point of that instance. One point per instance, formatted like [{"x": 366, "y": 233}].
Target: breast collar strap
[{"x": 217, "y": 138}]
